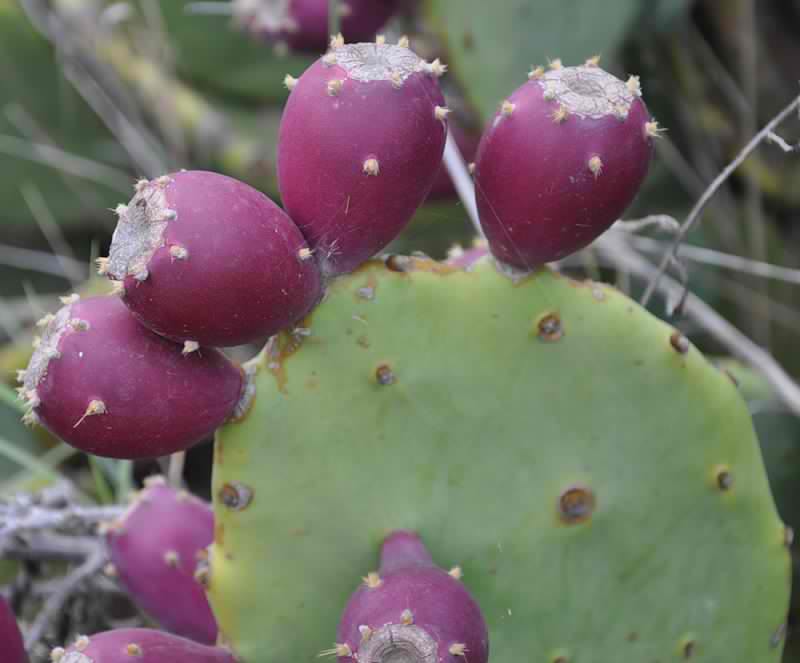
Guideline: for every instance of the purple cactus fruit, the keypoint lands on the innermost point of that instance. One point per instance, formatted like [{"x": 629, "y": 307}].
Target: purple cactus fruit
[
  {"x": 156, "y": 549},
  {"x": 208, "y": 260},
  {"x": 302, "y": 25},
  {"x": 139, "y": 645},
  {"x": 11, "y": 645},
  {"x": 411, "y": 610},
  {"x": 560, "y": 162},
  {"x": 361, "y": 140},
  {"x": 105, "y": 384}
]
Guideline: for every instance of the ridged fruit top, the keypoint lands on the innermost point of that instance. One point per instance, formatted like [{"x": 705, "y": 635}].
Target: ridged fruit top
[
  {"x": 561, "y": 161},
  {"x": 598, "y": 481}
]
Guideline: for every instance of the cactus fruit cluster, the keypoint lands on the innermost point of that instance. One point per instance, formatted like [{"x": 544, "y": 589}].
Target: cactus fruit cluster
[{"x": 406, "y": 410}]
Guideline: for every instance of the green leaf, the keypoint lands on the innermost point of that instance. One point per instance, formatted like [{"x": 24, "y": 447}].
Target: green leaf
[{"x": 37, "y": 105}]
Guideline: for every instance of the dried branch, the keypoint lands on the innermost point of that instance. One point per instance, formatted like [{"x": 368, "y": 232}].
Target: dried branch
[
  {"x": 617, "y": 251},
  {"x": 66, "y": 162},
  {"x": 694, "y": 214},
  {"x": 68, "y": 585},
  {"x": 730, "y": 261},
  {"x": 15, "y": 518},
  {"x": 661, "y": 222},
  {"x": 772, "y": 137},
  {"x": 39, "y": 261},
  {"x": 459, "y": 174}
]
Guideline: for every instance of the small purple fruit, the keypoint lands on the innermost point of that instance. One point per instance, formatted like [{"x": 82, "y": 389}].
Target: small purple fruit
[
  {"x": 11, "y": 645},
  {"x": 207, "y": 259},
  {"x": 139, "y": 645},
  {"x": 411, "y": 610},
  {"x": 157, "y": 547},
  {"x": 561, "y": 161},
  {"x": 361, "y": 141},
  {"x": 302, "y": 25},
  {"x": 105, "y": 384}
]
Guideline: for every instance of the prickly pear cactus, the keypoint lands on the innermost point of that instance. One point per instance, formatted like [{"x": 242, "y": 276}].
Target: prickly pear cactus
[{"x": 596, "y": 479}]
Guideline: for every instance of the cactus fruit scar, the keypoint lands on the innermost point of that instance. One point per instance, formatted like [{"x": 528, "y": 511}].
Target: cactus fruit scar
[
  {"x": 138, "y": 645},
  {"x": 206, "y": 259},
  {"x": 11, "y": 645},
  {"x": 563, "y": 158},
  {"x": 360, "y": 143},
  {"x": 302, "y": 25},
  {"x": 107, "y": 385},
  {"x": 545, "y": 435},
  {"x": 158, "y": 549},
  {"x": 413, "y": 612}
]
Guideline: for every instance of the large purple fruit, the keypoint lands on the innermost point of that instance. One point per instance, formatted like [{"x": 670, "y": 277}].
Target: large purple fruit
[
  {"x": 413, "y": 611},
  {"x": 560, "y": 162},
  {"x": 361, "y": 141},
  {"x": 156, "y": 548},
  {"x": 11, "y": 646},
  {"x": 139, "y": 645},
  {"x": 209, "y": 260},
  {"x": 105, "y": 384},
  {"x": 303, "y": 24}
]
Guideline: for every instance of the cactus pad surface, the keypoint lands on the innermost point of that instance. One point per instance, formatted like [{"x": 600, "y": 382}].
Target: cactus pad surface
[{"x": 597, "y": 480}]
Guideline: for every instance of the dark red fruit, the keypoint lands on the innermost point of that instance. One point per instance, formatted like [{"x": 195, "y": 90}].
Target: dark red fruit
[
  {"x": 12, "y": 649},
  {"x": 560, "y": 162},
  {"x": 412, "y": 610},
  {"x": 139, "y": 645},
  {"x": 361, "y": 140},
  {"x": 157, "y": 548},
  {"x": 302, "y": 25},
  {"x": 108, "y": 386},
  {"x": 207, "y": 259}
]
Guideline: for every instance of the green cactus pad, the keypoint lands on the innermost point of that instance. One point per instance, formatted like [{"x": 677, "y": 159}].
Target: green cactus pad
[{"x": 597, "y": 480}]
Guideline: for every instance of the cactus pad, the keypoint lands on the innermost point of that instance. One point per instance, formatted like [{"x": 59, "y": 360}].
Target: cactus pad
[{"x": 597, "y": 480}]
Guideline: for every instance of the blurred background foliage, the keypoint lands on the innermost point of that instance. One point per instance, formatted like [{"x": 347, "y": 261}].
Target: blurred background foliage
[{"x": 94, "y": 95}]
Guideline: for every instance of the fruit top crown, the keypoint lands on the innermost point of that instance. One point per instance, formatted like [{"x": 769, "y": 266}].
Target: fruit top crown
[
  {"x": 46, "y": 347},
  {"x": 377, "y": 62},
  {"x": 588, "y": 91},
  {"x": 140, "y": 230}
]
